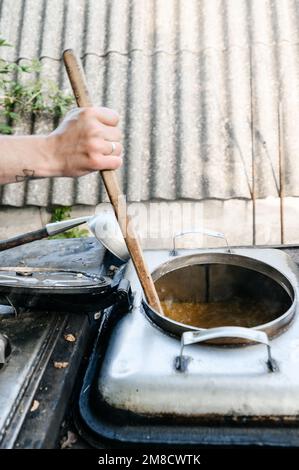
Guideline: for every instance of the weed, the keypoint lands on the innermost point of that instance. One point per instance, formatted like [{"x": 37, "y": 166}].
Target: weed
[
  {"x": 60, "y": 213},
  {"x": 34, "y": 96}
]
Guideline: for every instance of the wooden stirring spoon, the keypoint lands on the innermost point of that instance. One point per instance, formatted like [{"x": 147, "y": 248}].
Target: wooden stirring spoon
[{"x": 78, "y": 82}]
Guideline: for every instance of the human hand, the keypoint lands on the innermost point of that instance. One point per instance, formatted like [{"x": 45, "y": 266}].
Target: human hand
[{"x": 88, "y": 139}]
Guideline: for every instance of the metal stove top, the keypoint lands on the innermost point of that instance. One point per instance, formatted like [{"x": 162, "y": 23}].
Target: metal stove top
[
  {"x": 36, "y": 338},
  {"x": 138, "y": 372}
]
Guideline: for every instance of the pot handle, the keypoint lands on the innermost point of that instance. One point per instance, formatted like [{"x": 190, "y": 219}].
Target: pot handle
[
  {"x": 191, "y": 337},
  {"x": 210, "y": 233}
]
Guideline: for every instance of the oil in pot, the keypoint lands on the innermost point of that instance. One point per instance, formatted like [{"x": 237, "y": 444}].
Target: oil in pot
[{"x": 234, "y": 312}]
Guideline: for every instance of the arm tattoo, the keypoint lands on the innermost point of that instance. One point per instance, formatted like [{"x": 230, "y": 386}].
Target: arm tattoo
[{"x": 27, "y": 175}]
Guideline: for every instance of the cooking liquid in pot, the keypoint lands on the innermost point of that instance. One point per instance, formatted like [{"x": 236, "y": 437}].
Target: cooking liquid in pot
[{"x": 235, "y": 312}]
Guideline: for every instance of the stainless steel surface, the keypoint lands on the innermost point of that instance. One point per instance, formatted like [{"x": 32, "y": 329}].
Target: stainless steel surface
[
  {"x": 106, "y": 229},
  {"x": 216, "y": 276},
  {"x": 103, "y": 225},
  {"x": 196, "y": 337},
  {"x": 53, "y": 228},
  {"x": 138, "y": 371},
  {"x": 50, "y": 278},
  {"x": 211, "y": 233}
]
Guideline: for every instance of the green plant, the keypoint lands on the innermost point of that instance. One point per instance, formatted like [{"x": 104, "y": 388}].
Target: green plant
[
  {"x": 60, "y": 213},
  {"x": 36, "y": 96}
]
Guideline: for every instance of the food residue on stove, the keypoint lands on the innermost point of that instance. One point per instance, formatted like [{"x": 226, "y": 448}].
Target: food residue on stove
[
  {"x": 70, "y": 338},
  {"x": 60, "y": 364},
  {"x": 236, "y": 312}
]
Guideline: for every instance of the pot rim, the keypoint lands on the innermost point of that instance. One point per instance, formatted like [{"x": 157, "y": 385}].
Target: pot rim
[{"x": 279, "y": 323}]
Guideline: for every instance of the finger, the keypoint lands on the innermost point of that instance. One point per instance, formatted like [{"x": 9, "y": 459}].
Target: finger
[
  {"x": 106, "y": 116},
  {"x": 111, "y": 134},
  {"x": 98, "y": 146},
  {"x": 112, "y": 148},
  {"x": 106, "y": 162}
]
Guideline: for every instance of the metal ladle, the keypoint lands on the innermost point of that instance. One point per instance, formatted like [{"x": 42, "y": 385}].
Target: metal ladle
[{"x": 103, "y": 225}]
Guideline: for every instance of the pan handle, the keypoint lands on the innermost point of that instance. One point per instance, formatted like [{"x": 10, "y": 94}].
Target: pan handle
[
  {"x": 191, "y": 337},
  {"x": 210, "y": 233}
]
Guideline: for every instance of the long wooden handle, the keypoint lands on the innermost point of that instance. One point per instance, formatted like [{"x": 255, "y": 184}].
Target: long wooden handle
[{"x": 77, "y": 78}]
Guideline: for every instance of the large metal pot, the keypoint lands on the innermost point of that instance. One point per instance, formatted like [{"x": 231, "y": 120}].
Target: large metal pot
[{"x": 213, "y": 276}]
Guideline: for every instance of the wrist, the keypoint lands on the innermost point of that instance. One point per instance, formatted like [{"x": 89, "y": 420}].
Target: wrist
[
  {"x": 26, "y": 157},
  {"x": 52, "y": 164}
]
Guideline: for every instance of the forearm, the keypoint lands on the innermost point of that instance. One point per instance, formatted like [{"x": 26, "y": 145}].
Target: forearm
[
  {"x": 24, "y": 157},
  {"x": 87, "y": 140}
]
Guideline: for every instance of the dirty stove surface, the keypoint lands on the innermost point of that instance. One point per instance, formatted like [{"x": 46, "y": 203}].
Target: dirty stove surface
[{"x": 37, "y": 342}]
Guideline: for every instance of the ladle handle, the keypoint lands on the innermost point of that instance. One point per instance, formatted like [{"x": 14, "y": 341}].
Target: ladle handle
[
  {"x": 77, "y": 79},
  {"x": 23, "y": 239},
  {"x": 249, "y": 334}
]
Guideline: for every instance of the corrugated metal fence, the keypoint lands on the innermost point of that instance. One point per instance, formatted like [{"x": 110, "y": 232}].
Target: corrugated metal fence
[{"x": 198, "y": 84}]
